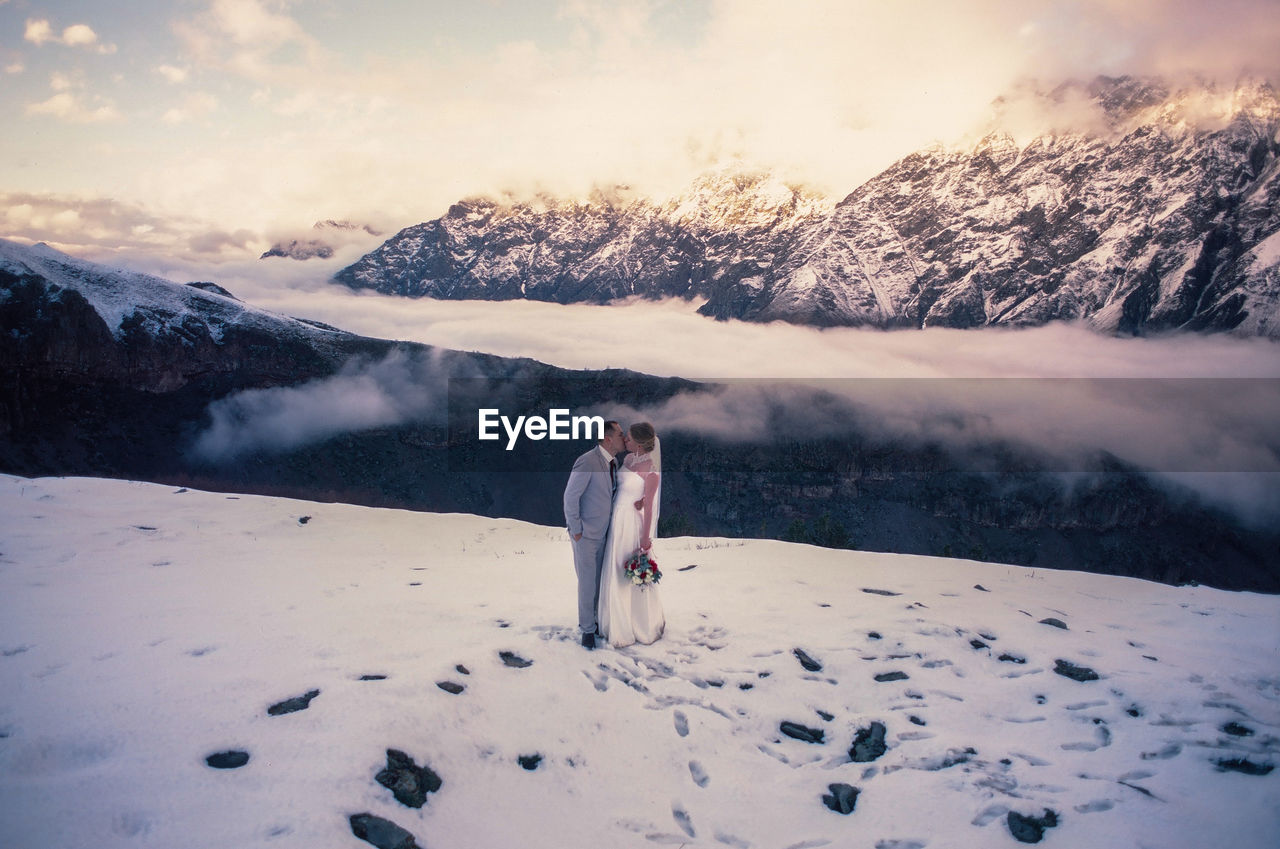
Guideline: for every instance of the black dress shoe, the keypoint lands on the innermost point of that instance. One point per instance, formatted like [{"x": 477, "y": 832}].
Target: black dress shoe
[{"x": 589, "y": 641}]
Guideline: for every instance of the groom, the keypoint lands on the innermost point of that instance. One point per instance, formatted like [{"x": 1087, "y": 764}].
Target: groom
[{"x": 588, "y": 507}]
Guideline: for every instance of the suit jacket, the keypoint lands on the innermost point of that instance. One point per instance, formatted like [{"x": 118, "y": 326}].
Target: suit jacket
[{"x": 588, "y": 497}]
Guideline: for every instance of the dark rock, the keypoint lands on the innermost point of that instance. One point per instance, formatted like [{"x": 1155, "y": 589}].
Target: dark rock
[
  {"x": 981, "y": 587},
  {"x": 802, "y": 732},
  {"x": 514, "y": 660},
  {"x": 1057, "y": 623},
  {"x": 886, "y": 677},
  {"x": 1031, "y": 829},
  {"x": 806, "y": 661},
  {"x": 826, "y": 717},
  {"x": 381, "y": 833},
  {"x": 874, "y": 635},
  {"x": 450, "y": 687},
  {"x": 293, "y": 705},
  {"x": 530, "y": 762},
  {"x": 462, "y": 670},
  {"x": 880, "y": 592},
  {"x": 868, "y": 744},
  {"x": 227, "y": 760},
  {"x": 407, "y": 781},
  {"x": 978, "y": 644},
  {"x": 1244, "y": 765},
  {"x": 1012, "y": 658},
  {"x": 1075, "y": 673},
  {"x": 746, "y": 685},
  {"x": 687, "y": 568},
  {"x": 915, "y": 720},
  {"x": 302, "y": 520},
  {"x": 842, "y": 799},
  {"x": 215, "y": 289},
  {"x": 1134, "y": 711},
  {"x": 1235, "y": 729},
  {"x": 373, "y": 678}
]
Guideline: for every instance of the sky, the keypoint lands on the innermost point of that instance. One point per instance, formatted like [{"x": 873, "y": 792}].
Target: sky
[{"x": 210, "y": 128}]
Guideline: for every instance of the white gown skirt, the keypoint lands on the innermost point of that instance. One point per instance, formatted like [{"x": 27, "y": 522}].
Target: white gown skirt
[{"x": 627, "y": 613}]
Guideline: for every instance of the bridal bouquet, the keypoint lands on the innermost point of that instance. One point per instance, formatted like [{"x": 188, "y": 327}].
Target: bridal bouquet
[{"x": 642, "y": 569}]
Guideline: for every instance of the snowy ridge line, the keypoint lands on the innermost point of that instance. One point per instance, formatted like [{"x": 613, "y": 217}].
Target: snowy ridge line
[{"x": 116, "y": 294}]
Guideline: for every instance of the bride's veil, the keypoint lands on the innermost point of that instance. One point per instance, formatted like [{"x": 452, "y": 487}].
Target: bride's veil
[{"x": 656, "y": 456}]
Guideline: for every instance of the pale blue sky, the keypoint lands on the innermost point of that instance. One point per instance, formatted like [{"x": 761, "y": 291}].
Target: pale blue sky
[{"x": 149, "y": 122}]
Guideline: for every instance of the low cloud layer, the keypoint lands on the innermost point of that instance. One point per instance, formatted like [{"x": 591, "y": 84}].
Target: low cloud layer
[
  {"x": 363, "y": 395},
  {"x": 1196, "y": 410}
]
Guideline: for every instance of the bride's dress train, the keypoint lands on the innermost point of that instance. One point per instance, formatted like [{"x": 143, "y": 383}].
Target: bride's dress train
[{"x": 628, "y": 613}]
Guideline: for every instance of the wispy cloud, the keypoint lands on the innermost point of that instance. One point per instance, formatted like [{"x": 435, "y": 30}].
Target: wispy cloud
[
  {"x": 195, "y": 106},
  {"x": 363, "y": 395},
  {"x": 172, "y": 73}
]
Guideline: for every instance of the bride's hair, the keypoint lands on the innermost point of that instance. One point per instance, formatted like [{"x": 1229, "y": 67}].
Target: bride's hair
[{"x": 644, "y": 435}]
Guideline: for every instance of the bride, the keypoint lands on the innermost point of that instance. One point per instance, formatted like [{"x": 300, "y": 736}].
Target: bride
[{"x": 629, "y": 613}]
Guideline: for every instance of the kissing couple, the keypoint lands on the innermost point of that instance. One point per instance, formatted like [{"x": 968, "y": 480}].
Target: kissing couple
[{"x": 612, "y": 514}]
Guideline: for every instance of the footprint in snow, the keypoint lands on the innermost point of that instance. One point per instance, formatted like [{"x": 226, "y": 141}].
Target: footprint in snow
[
  {"x": 682, "y": 818},
  {"x": 1095, "y": 807},
  {"x": 682, "y": 724},
  {"x": 699, "y": 774},
  {"x": 731, "y": 840}
]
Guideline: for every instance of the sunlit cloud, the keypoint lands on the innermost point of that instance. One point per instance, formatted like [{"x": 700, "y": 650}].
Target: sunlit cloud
[
  {"x": 39, "y": 32},
  {"x": 108, "y": 230},
  {"x": 74, "y": 108},
  {"x": 248, "y": 38}
]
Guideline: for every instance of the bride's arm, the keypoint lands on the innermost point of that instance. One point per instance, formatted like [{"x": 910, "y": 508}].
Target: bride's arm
[{"x": 650, "y": 490}]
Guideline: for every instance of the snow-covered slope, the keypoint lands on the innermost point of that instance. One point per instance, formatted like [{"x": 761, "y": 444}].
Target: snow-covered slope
[
  {"x": 145, "y": 628},
  {"x": 152, "y": 305}
]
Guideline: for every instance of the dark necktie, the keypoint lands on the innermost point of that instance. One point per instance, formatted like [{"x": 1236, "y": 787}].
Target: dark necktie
[{"x": 613, "y": 474}]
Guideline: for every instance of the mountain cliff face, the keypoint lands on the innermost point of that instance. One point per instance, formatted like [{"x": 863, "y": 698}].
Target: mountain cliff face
[{"x": 1162, "y": 215}]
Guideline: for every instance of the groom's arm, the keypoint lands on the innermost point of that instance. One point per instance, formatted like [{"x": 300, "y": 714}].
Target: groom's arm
[{"x": 578, "y": 480}]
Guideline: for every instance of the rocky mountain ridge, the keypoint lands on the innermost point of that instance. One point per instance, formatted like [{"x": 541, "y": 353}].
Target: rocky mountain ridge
[{"x": 1161, "y": 213}]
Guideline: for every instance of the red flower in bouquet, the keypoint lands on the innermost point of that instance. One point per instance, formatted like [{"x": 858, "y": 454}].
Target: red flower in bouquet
[{"x": 642, "y": 569}]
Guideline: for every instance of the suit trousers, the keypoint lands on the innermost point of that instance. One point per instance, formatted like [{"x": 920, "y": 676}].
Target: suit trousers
[{"x": 588, "y": 558}]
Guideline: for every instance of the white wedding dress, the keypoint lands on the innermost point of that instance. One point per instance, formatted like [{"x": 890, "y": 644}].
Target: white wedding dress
[{"x": 628, "y": 613}]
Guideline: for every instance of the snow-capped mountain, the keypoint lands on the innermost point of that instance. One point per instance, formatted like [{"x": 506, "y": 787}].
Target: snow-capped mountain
[
  {"x": 613, "y": 245},
  {"x": 194, "y": 669},
  {"x": 93, "y": 322},
  {"x": 1161, "y": 215},
  {"x": 320, "y": 243}
]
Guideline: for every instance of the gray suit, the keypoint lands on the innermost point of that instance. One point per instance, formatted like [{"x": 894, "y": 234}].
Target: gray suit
[{"x": 588, "y": 506}]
